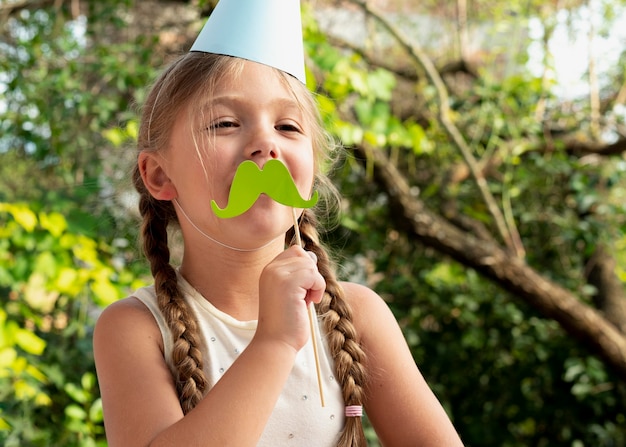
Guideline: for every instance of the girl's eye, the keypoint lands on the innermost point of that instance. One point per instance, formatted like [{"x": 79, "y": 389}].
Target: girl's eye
[
  {"x": 288, "y": 127},
  {"x": 222, "y": 125}
]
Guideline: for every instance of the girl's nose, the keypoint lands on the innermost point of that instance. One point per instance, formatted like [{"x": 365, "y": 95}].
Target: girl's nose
[{"x": 263, "y": 144}]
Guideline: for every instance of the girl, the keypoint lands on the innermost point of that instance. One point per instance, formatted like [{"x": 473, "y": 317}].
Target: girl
[{"x": 218, "y": 351}]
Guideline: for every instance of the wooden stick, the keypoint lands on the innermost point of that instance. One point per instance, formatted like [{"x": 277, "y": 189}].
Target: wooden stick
[{"x": 312, "y": 317}]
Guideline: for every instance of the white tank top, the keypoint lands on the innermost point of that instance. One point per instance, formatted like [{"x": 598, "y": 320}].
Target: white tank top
[{"x": 298, "y": 418}]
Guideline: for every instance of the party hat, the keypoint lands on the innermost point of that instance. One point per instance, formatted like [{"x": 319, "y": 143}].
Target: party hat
[{"x": 264, "y": 31}]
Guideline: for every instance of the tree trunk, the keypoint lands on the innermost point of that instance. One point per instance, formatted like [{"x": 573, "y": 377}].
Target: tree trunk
[{"x": 609, "y": 297}]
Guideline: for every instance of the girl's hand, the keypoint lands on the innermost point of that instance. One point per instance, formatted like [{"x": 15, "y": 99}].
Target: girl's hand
[{"x": 286, "y": 287}]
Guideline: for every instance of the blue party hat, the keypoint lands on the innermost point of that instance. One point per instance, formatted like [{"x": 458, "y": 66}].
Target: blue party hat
[{"x": 264, "y": 31}]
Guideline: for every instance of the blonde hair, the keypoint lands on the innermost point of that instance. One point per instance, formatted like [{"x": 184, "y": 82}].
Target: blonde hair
[{"x": 177, "y": 88}]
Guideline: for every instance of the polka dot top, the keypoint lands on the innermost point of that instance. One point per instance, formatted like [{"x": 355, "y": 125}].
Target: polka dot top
[{"x": 298, "y": 418}]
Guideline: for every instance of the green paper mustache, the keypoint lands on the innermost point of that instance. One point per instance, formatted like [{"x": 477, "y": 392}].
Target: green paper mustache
[{"x": 250, "y": 182}]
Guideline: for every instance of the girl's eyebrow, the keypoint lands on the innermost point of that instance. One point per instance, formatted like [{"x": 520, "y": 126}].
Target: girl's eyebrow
[{"x": 282, "y": 103}]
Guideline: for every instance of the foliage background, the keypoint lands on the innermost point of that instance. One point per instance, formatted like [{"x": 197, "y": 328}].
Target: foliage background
[{"x": 509, "y": 370}]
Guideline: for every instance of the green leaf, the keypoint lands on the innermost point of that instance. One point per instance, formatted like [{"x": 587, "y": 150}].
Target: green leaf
[
  {"x": 55, "y": 223},
  {"x": 29, "y": 342},
  {"x": 77, "y": 393},
  {"x": 22, "y": 215},
  {"x": 75, "y": 412},
  {"x": 7, "y": 357},
  {"x": 4, "y": 425},
  {"x": 37, "y": 295},
  {"x": 96, "y": 412},
  {"x": 67, "y": 281},
  {"x": 46, "y": 264},
  {"x": 115, "y": 135},
  {"x": 88, "y": 381},
  {"x": 105, "y": 292},
  {"x": 382, "y": 82}
]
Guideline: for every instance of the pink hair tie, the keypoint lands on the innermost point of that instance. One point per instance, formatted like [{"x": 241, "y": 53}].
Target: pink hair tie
[{"x": 354, "y": 411}]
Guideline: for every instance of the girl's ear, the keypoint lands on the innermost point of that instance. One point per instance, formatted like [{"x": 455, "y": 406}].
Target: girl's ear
[{"x": 154, "y": 176}]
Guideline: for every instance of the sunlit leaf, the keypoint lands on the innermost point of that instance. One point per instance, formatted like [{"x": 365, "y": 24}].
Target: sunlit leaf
[
  {"x": 75, "y": 412},
  {"x": 4, "y": 425},
  {"x": 55, "y": 223},
  {"x": 29, "y": 342},
  {"x": 22, "y": 215},
  {"x": 95, "y": 411},
  {"x": 8, "y": 355},
  {"x": 37, "y": 294},
  {"x": 105, "y": 292},
  {"x": 76, "y": 393},
  {"x": 67, "y": 281}
]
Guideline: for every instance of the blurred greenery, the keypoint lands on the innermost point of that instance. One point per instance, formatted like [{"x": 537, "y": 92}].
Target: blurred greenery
[{"x": 70, "y": 81}]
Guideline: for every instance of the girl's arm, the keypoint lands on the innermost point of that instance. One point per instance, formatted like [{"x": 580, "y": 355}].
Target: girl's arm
[
  {"x": 141, "y": 407},
  {"x": 399, "y": 403}
]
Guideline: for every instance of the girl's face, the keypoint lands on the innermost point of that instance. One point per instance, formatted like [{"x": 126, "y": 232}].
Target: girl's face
[{"x": 251, "y": 116}]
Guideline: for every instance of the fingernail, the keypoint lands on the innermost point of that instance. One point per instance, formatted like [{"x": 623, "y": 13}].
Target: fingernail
[{"x": 313, "y": 256}]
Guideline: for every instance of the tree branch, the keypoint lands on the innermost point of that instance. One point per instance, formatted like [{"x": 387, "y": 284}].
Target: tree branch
[
  {"x": 512, "y": 274},
  {"x": 576, "y": 146},
  {"x": 508, "y": 233}
]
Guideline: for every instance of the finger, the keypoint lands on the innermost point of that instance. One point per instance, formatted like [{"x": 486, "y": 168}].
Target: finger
[
  {"x": 315, "y": 292},
  {"x": 296, "y": 250}
]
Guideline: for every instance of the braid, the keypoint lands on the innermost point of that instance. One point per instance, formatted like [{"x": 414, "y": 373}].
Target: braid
[
  {"x": 346, "y": 351},
  {"x": 190, "y": 379}
]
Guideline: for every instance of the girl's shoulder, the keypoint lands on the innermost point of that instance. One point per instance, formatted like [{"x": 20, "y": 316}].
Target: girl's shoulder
[
  {"x": 360, "y": 295},
  {"x": 129, "y": 307},
  {"x": 369, "y": 311},
  {"x": 127, "y": 318}
]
